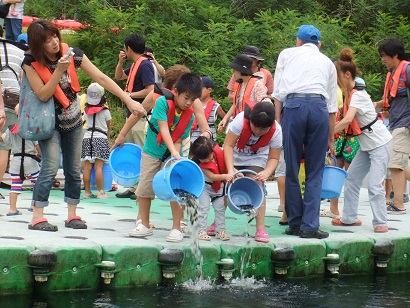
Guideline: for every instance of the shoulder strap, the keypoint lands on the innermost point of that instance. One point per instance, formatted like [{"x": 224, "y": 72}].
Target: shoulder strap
[{"x": 7, "y": 61}]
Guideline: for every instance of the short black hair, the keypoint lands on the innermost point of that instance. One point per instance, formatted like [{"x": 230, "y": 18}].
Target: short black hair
[
  {"x": 263, "y": 114},
  {"x": 189, "y": 83},
  {"x": 136, "y": 42},
  {"x": 391, "y": 47},
  {"x": 201, "y": 148},
  {"x": 148, "y": 49}
]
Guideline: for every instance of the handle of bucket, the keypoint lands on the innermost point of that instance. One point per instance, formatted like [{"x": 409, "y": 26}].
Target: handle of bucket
[
  {"x": 168, "y": 161},
  {"x": 242, "y": 171},
  {"x": 334, "y": 159}
]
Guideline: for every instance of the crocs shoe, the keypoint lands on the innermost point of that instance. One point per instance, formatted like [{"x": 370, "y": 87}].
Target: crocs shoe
[
  {"x": 262, "y": 236},
  {"x": 211, "y": 230},
  {"x": 140, "y": 231},
  {"x": 175, "y": 236}
]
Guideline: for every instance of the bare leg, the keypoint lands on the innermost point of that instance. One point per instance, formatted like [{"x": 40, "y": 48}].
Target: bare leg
[
  {"x": 144, "y": 205},
  {"x": 13, "y": 202},
  {"x": 87, "y": 177},
  {"x": 398, "y": 180}
]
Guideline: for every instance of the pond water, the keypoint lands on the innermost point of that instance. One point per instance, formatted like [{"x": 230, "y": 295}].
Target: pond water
[{"x": 351, "y": 291}]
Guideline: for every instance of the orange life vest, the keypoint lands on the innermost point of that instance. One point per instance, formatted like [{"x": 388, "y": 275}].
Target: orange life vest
[
  {"x": 217, "y": 167},
  {"x": 239, "y": 106},
  {"x": 394, "y": 82},
  {"x": 208, "y": 110},
  {"x": 247, "y": 133},
  {"x": 94, "y": 109},
  {"x": 133, "y": 73},
  {"x": 180, "y": 127},
  {"x": 265, "y": 74},
  {"x": 45, "y": 75},
  {"x": 353, "y": 129}
]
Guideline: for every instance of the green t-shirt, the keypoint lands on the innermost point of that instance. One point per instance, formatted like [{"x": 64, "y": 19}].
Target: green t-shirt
[{"x": 159, "y": 113}]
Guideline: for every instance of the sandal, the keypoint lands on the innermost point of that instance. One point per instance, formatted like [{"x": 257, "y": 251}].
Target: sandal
[
  {"x": 203, "y": 236},
  {"x": 381, "y": 229},
  {"x": 328, "y": 213},
  {"x": 56, "y": 183},
  {"x": 394, "y": 210},
  {"x": 338, "y": 222},
  {"x": 262, "y": 236},
  {"x": 211, "y": 230},
  {"x": 183, "y": 226},
  {"x": 42, "y": 225},
  {"x": 140, "y": 231},
  {"x": 75, "y": 223},
  {"x": 91, "y": 196},
  {"x": 17, "y": 212},
  {"x": 222, "y": 235}
]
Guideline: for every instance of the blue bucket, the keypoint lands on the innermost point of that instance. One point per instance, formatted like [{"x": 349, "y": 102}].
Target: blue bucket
[
  {"x": 333, "y": 181},
  {"x": 183, "y": 174},
  {"x": 107, "y": 178},
  {"x": 244, "y": 191},
  {"x": 125, "y": 163}
]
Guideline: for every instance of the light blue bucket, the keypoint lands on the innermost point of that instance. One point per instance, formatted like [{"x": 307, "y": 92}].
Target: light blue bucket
[
  {"x": 125, "y": 163},
  {"x": 183, "y": 174},
  {"x": 333, "y": 181},
  {"x": 244, "y": 191},
  {"x": 107, "y": 178}
]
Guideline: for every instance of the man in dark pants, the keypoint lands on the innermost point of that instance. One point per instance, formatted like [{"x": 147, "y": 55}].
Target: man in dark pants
[{"x": 305, "y": 85}]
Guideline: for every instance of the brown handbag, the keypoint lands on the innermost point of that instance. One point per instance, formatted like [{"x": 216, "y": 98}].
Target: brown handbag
[{"x": 11, "y": 99}]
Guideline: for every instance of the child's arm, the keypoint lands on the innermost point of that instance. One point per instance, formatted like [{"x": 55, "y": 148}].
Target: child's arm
[
  {"x": 272, "y": 163},
  {"x": 166, "y": 136},
  {"x": 229, "y": 144},
  {"x": 225, "y": 119},
  {"x": 221, "y": 113},
  {"x": 217, "y": 177}
]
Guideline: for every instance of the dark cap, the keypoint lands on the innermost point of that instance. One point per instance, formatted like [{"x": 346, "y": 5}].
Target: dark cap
[
  {"x": 253, "y": 52},
  {"x": 207, "y": 82},
  {"x": 243, "y": 64}
]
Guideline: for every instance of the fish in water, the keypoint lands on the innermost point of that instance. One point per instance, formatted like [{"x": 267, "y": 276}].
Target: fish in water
[{"x": 191, "y": 202}]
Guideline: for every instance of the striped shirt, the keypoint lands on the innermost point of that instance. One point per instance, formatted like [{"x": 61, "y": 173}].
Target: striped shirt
[{"x": 15, "y": 59}]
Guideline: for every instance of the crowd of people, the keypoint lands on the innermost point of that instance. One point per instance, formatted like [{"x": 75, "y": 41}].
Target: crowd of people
[{"x": 284, "y": 124}]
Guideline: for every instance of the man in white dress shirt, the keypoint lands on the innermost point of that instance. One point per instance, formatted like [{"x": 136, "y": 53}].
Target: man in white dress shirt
[{"x": 305, "y": 86}]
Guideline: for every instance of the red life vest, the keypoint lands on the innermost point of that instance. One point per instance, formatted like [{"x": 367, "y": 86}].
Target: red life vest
[
  {"x": 353, "y": 129},
  {"x": 133, "y": 73},
  {"x": 208, "y": 110},
  {"x": 218, "y": 167},
  {"x": 14, "y": 128},
  {"x": 45, "y": 75},
  {"x": 94, "y": 109},
  {"x": 394, "y": 82},
  {"x": 239, "y": 106},
  {"x": 182, "y": 124},
  {"x": 247, "y": 133}
]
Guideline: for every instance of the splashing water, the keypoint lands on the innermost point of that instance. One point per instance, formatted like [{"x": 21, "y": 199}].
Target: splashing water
[{"x": 192, "y": 204}]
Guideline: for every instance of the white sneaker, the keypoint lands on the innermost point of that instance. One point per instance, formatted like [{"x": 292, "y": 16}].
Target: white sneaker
[
  {"x": 175, "y": 236},
  {"x": 140, "y": 231}
]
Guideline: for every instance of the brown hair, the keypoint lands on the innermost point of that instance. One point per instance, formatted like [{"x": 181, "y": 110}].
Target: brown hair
[
  {"x": 345, "y": 64},
  {"x": 172, "y": 74},
  {"x": 38, "y": 33}
]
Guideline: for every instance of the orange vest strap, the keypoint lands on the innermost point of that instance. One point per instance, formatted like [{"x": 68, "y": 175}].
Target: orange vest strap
[
  {"x": 208, "y": 110},
  {"x": 394, "y": 82},
  {"x": 353, "y": 129},
  {"x": 133, "y": 73},
  {"x": 239, "y": 105},
  {"x": 45, "y": 75}
]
